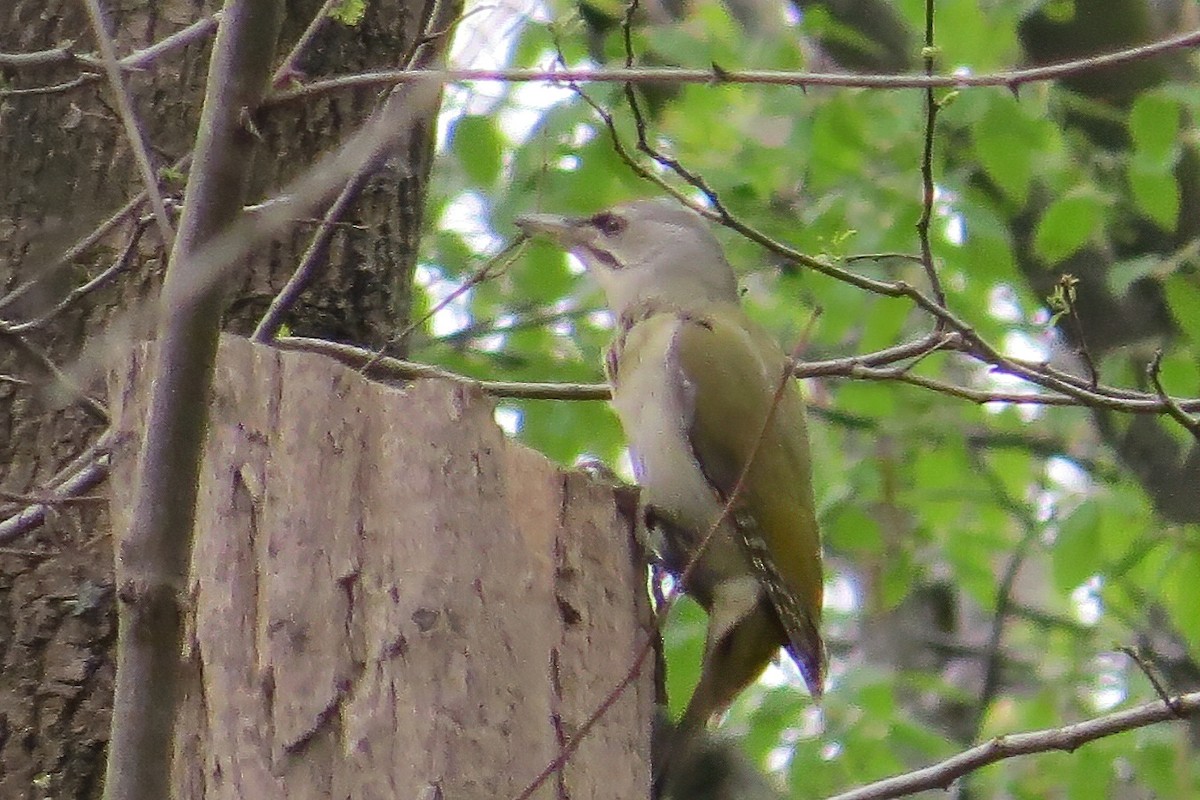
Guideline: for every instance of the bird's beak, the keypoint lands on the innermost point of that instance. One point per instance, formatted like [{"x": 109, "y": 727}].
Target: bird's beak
[{"x": 566, "y": 231}]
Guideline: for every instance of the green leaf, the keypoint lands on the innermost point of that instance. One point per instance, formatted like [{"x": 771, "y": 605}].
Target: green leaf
[
  {"x": 1182, "y": 595},
  {"x": 1123, "y": 274},
  {"x": 683, "y": 643},
  {"x": 1076, "y": 552},
  {"x": 853, "y": 530},
  {"x": 1158, "y": 763},
  {"x": 837, "y": 142},
  {"x": 1061, "y": 11},
  {"x": 1089, "y": 773},
  {"x": 1183, "y": 297},
  {"x": 1004, "y": 146},
  {"x": 1156, "y": 193},
  {"x": 972, "y": 566},
  {"x": 479, "y": 147},
  {"x": 1066, "y": 226},
  {"x": 349, "y": 12},
  {"x": 884, "y": 324},
  {"x": 1154, "y": 126}
]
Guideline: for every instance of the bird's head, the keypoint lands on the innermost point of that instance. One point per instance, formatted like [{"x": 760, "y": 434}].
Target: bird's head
[{"x": 644, "y": 251}]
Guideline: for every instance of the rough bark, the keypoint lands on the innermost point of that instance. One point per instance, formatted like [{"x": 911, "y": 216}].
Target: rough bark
[
  {"x": 65, "y": 167},
  {"x": 388, "y": 595}
]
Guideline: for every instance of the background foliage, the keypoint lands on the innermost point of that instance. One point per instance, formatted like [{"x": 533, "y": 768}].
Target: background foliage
[{"x": 985, "y": 560}]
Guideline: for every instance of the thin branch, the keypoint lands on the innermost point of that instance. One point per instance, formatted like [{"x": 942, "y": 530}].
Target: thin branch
[
  {"x": 80, "y": 247},
  {"x": 394, "y": 369},
  {"x": 314, "y": 259},
  {"x": 81, "y": 475},
  {"x": 129, "y": 120},
  {"x": 521, "y": 318},
  {"x": 51, "y": 499},
  {"x": 643, "y": 144},
  {"x": 854, "y": 367},
  {"x": 94, "y": 408},
  {"x": 116, "y": 268},
  {"x": 1152, "y": 674},
  {"x": 1010, "y": 79},
  {"x": 65, "y": 55},
  {"x": 494, "y": 267},
  {"x": 1048, "y": 619},
  {"x": 567, "y": 750},
  {"x": 54, "y": 57},
  {"x": 927, "y": 187},
  {"x": 198, "y": 30},
  {"x": 287, "y": 68},
  {"x": 54, "y": 88},
  {"x": 1173, "y": 408},
  {"x": 1067, "y": 738},
  {"x": 139, "y": 60},
  {"x": 1064, "y": 301},
  {"x": 424, "y": 53},
  {"x": 1065, "y": 394}
]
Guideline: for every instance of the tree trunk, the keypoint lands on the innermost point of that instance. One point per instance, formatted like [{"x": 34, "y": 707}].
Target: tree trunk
[
  {"x": 389, "y": 595},
  {"x": 66, "y": 167}
]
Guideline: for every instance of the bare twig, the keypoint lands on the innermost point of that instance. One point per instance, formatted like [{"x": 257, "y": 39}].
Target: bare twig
[
  {"x": 1010, "y": 79},
  {"x": 65, "y": 55},
  {"x": 520, "y": 319},
  {"x": 855, "y": 367},
  {"x": 1067, "y": 738},
  {"x": 1063, "y": 302},
  {"x": 116, "y": 268},
  {"x": 129, "y": 119},
  {"x": 566, "y": 751},
  {"x": 424, "y": 53},
  {"x": 1173, "y": 407},
  {"x": 80, "y": 247},
  {"x": 287, "y": 69},
  {"x": 54, "y": 57},
  {"x": 51, "y": 499},
  {"x": 387, "y": 368},
  {"x": 198, "y": 30},
  {"x": 82, "y": 474},
  {"x": 313, "y": 260},
  {"x": 494, "y": 267},
  {"x": 643, "y": 143},
  {"x": 54, "y": 88},
  {"x": 61, "y": 381},
  {"x": 927, "y": 188},
  {"x": 139, "y": 60},
  {"x": 1151, "y": 672}
]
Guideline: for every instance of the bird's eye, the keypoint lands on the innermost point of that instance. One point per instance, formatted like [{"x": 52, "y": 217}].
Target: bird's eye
[{"x": 607, "y": 223}]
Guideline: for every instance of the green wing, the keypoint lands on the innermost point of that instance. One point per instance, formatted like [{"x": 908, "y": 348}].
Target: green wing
[{"x": 734, "y": 371}]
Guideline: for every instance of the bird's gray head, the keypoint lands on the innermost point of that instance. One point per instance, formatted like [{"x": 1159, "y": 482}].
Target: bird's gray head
[{"x": 645, "y": 250}]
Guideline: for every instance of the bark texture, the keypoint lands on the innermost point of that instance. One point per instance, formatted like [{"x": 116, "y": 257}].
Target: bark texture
[
  {"x": 65, "y": 166},
  {"x": 389, "y": 597}
]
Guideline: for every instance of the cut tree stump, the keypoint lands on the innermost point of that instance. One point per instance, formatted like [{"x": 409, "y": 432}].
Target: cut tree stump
[{"x": 390, "y": 599}]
